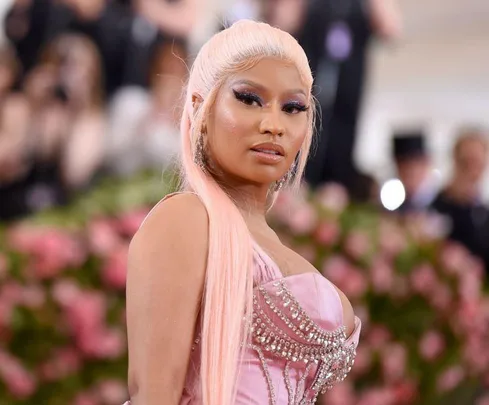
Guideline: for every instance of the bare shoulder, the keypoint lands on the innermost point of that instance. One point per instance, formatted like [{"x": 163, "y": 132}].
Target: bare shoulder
[{"x": 176, "y": 227}]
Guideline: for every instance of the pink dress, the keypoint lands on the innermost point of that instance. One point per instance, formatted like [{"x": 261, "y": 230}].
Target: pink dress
[{"x": 298, "y": 349}]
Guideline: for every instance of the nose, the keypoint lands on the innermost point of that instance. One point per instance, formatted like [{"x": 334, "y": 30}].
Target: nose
[{"x": 271, "y": 123}]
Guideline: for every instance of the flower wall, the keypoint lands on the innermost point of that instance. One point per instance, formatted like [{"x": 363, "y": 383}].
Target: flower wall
[{"x": 425, "y": 318}]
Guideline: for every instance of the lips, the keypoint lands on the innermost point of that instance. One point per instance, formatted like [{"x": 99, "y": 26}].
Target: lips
[{"x": 269, "y": 148}]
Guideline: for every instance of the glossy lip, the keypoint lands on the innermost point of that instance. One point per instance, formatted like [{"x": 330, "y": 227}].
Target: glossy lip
[{"x": 269, "y": 146}]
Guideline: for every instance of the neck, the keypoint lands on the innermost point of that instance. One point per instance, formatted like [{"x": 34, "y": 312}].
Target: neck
[
  {"x": 252, "y": 201},
  {"x": 462, "y": 190}
]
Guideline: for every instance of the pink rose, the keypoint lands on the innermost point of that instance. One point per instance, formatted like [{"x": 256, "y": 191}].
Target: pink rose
[
  {"x": 114, "y": 271},
  {"x": 65, "y": 292},
  {"x": 377, "y": 396},
  {"x": 102, "y": 343},
  {"x": 378, "y": 336},
  {"x": 102, "y": 237},
  {"x": 470, "y": 286},
  {"x": 335, "y": 268},
  {"x": 431, "y": 345},
  {"x": 33, "y": 296},
  {"x": 392, "y": 240},
  {"x": 302, "y": 220},
  {"x": 22, "y": 238},
  {"x": 333, "y": 197},
  {"x": 3, "y": 266},
  {"x": 55, "y": 251},
  {"x": 453, "y": 258},
  {"x": 87, "y": 312},
  {"x": 382, "y": 276},
  {"x": 357, "y": 244},
  {"x": 476, "y": 353},
  {"x": 129, "y": 223},
  {"x": 394, "y": 361},
  {"x": 50, "y": 250},
  {"x": 450, "y": 378},
  {"x": 441, "y": 298},
  {"x": 483, "y": 401},
  {"x": 327, "y": 233},
  {"x": 423, "y": 279},
  {"x": 112, "y": 343},
  {"x": 355, "y": 284},
  {"x": 112, "y": 392},
  {"x": 405, "y": 392},
  {"x": 86, "y": 398},
  {"x": 11, "y": 292},
  {"x": 342, "y": 394},
  {"x": 64, "y": 362},
  {"x": 19, "y": 381}
]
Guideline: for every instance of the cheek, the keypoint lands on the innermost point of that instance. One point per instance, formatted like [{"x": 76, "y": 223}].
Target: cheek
[
  {"x": 298, "y": 133},
  {"x": 231, "y": 128}
]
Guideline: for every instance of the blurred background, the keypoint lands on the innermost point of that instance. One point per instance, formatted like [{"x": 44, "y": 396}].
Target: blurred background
[{"x": 393, "y": 210}]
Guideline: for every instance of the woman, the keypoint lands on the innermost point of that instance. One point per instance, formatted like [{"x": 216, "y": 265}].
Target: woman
[{"x": 219, "y": 311}]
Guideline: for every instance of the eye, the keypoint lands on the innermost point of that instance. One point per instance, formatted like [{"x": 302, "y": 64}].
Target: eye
[
  {"x": 247, "y": 98},
  {"x": 294, "y": 107}
]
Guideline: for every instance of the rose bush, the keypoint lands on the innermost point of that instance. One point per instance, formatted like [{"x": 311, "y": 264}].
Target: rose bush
[{"x": 425, "y": 316}]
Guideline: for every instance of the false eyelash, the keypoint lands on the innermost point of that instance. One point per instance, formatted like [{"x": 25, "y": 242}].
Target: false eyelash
[
  {"x": 246, "y": 96},
  {"x": 300, "y": 107}
]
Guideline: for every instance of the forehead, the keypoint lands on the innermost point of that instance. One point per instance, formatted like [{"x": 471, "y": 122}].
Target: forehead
[
  {"x": 272, "y": 75},
  {"x": 472, "y": 145}
]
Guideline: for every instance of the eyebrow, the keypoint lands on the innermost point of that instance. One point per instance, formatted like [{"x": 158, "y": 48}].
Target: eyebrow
[{"x": 261, "y": 87}]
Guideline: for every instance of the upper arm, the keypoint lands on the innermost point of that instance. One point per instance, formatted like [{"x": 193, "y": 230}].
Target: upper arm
[{"x": 166, "y": 270}]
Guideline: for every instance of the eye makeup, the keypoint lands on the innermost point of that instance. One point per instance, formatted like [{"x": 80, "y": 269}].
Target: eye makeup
[
  {"x": 247, "y": 97},
  {"x": 250, "y": 98}
]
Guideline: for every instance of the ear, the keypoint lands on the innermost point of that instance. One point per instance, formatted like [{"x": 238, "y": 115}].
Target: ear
[{"x": 197, "y": 101}]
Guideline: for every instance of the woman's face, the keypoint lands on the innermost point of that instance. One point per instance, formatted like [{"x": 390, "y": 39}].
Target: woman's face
[{"x": 258, "y": 123}]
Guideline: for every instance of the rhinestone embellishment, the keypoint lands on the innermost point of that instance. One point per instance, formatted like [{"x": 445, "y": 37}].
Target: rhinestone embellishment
[{"x": 305, "y": 342}]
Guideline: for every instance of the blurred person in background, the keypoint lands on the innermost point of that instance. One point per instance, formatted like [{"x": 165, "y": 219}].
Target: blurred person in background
[
  {"x": 288, "y": 15},
  {"x": 461, "y": 199},
  {"x": 13, "y": 132},
  {"x": 125, "y": 39},
  {"x": 62, "y": 143},
  {"x": 414, "y": 169},
  {"x": 143, "y": 131},
  {"x": 336, "y": 35}
]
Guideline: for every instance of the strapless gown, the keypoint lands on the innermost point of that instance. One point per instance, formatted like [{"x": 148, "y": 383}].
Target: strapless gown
[{"x": 298, "y": 348}]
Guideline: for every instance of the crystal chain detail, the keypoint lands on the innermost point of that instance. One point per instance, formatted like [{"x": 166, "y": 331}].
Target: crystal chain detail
[{"x": 312, "y": 345}]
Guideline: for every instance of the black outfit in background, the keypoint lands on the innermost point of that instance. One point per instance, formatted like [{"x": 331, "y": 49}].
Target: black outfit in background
[
  {"x": 470, "y": 224},
  {"x": 338, "y": 87},
  {"x": 125, "y": 41},
  {"x": 40, "y": 188}
]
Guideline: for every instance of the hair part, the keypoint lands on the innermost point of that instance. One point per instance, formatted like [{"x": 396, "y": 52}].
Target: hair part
[{"x": 228, "y": 290}]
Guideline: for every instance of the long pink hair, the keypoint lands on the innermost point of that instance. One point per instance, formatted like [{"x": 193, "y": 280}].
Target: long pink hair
[{"x": 228, "y": 292}]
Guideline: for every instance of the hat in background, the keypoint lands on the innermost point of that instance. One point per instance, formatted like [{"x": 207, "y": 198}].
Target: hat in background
[{"x": 408, "y": 144}]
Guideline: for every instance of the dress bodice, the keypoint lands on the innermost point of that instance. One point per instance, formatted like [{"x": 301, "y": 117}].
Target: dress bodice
[{"x": 298, "y": 346}]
